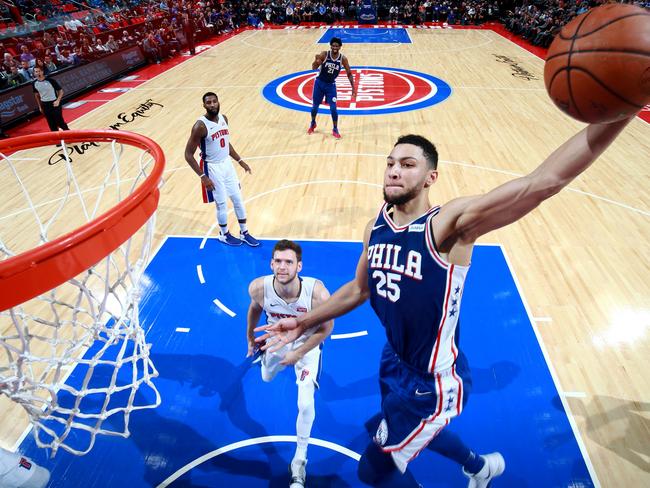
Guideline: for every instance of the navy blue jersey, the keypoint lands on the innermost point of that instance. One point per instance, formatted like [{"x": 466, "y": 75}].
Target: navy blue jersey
[
  {"x": 330, "y": 68},
  {"x": 415, "y": 293}
]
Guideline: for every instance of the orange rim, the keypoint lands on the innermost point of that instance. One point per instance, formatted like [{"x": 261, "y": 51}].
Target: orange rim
[{"x": 45, "y": 267}]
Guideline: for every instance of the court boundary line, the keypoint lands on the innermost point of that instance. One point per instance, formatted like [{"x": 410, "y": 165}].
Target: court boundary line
[
  {"x": 386, "y": 50},
  {"x": 462, "y": 164},
  {"x": 556, "y": 382},
  {"x": 532, "y": 322},
  {"x": 252, "y": 442}
]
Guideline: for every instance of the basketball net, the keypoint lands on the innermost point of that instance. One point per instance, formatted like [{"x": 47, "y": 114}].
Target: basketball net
[{"x": 75, "y": 356}]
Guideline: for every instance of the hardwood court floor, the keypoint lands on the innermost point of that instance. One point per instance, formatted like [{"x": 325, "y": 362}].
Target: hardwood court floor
[{"x": 581, "y": 258}]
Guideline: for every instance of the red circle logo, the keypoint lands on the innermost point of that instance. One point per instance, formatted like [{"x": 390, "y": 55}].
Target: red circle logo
[{"x": 379, "y": 91}]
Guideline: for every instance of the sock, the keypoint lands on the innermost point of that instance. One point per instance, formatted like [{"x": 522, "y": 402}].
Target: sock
[
  {"x": 243, "y": 227},
  {"x": 224, "y": 229},
  {"x": 313, "y": 123},
  {"x": 474, "y": 463}
]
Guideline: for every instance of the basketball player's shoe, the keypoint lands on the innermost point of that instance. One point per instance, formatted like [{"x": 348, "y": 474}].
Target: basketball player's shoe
[
  {"x": 312, "y": 128},
  {"x": 494, "y": 466},
  {"x": 298, "y": 473},
  {"x": 335, "y": 133},
  {"x": 249, "y": 239},
  {"x": 230, "y": 239},
  {"x": 21, "y": 472}
]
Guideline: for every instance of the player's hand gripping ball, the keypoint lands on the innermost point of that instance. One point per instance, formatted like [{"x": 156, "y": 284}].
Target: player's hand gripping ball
[{"x": 598, "y": 66}]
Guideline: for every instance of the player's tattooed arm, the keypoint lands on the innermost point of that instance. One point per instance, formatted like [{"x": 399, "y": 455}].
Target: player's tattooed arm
[{"x": 255, "y": 309}]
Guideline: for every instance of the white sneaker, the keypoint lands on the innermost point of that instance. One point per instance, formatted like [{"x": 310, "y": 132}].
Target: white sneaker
[
  {"x": 494, "y": 466},
  {"x": 298, "y": 473},
  {"x": 17, "y": 471}
]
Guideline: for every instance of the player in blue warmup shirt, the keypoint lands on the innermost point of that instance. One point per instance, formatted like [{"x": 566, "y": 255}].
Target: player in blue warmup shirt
[
  {"x": 328, "y": 64},
  {"x": 413, "y": 268}
]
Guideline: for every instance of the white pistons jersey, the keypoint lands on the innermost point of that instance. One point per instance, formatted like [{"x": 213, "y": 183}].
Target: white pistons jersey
[
  {"x": 276, "y": 308},
  {"x": 215, "y": 146}
]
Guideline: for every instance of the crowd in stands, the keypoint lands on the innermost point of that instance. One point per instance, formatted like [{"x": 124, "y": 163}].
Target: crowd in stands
[{"x": 70, "y": 34}]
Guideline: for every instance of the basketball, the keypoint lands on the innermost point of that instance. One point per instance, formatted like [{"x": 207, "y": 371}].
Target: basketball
[{"x": 598, "y": 66}]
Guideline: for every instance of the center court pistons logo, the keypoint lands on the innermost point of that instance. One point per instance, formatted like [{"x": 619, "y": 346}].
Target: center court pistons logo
[{"x": 379, "y": 91}]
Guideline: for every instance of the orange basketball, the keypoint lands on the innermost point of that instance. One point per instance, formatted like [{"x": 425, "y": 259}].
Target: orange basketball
[{"x": 598, "y": 66}]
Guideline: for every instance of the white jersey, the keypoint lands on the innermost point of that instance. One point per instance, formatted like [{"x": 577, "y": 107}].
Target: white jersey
[
  {"x": 215, "y": 146},
  {"x": 276, "y": 308}
]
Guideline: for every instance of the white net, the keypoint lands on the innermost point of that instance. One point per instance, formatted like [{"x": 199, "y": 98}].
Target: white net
[{"x": 75, "y": 358}]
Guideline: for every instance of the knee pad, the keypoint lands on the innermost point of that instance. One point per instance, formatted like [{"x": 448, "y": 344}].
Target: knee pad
[
  {"x": 222, "y": 212},
  {"x": 238, "y": 205}
]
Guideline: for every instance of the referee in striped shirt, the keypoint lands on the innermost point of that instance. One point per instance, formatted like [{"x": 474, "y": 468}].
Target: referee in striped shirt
[{"x": 48, "y": 95}]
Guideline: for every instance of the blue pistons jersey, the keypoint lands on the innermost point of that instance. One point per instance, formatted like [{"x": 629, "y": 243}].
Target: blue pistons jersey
[
  {"x": 415, "y": 293},
  {"x": 329, "y": 70}
]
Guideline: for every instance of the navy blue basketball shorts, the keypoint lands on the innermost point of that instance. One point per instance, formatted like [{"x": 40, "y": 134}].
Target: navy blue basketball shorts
[
  {"x": 324, "y": 90},
  {"x": 416, "y": 406}
]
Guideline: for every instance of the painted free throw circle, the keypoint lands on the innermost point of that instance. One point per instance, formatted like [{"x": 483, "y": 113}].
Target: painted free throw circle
[{"x": 380, "y": 90}]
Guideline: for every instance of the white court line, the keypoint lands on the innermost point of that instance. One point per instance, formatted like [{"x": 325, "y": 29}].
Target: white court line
[
  {"x": 387, "y": 48},
  {"x": 271, "y": 238},
  {"x": 556, "y": 381},
  {"x": 182, "y": 329},
  {"x": 293, "y": 185},
  {"x": 350, "y": 335},
  {"x": 574, "y": 394},
  {"x": 336, "y": 155},
  {"x": 199, "y": 271},
  {"x": 542, "y": 319},
  {"x": 218, "y": 303},
  {"x": 252, "y": 442},
  {"x": 196, "y": 87}
]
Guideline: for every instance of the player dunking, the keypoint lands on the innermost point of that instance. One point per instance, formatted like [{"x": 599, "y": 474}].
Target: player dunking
[
  {"x": 284, "y": 294},
  {"x": 329, "y": 65},
  {"x": 218, "y": 177},
  {"x": 413, "y": 268}
]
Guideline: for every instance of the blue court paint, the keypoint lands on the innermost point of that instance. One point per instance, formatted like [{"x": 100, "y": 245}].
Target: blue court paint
[
  {"x": 213, "y": 396},
  {"x": 367, "y": 36}
]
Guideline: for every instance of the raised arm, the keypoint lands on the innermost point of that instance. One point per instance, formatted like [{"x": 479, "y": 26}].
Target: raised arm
[
  {"x": 466, "y": 219},
  {"x": 199, "y": 131},
  {"x": 319, "y": 296},
  {"x": 346, "y": 65},
  {"x": 345, "y": 299},
  {"x": 318, "y": 60},
  {"x": 255, "y": 309}
]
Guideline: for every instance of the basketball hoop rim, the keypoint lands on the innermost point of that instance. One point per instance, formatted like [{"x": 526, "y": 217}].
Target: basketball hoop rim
[{"x": 42, "y": 268}]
